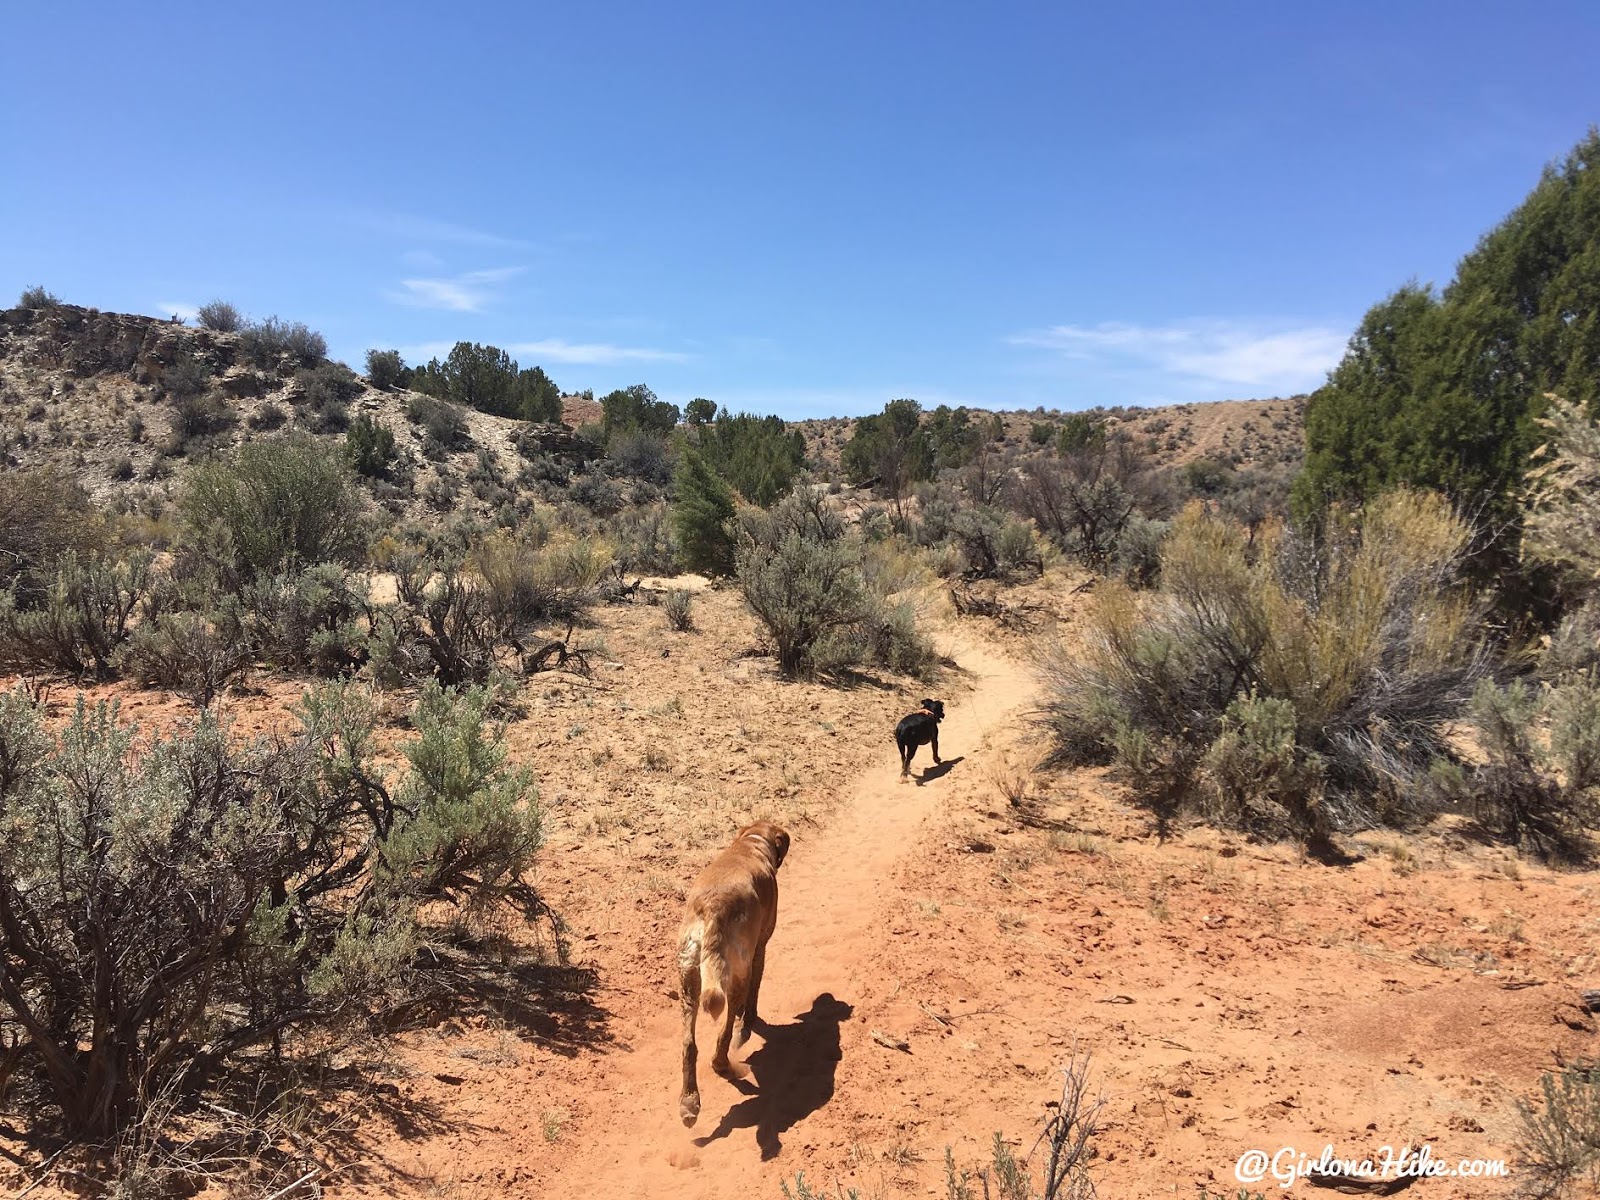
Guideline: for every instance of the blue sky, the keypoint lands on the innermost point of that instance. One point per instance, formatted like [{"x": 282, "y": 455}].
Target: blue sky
[{"x": 806, "y": 209}]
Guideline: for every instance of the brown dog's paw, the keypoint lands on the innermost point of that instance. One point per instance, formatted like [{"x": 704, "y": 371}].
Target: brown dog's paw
[
  {"x": 689, "y": 1109},
  {"x": 730, "y": 1069}
]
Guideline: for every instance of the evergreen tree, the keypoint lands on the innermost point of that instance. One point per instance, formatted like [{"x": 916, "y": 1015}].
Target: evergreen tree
[
  {"x": 890, "y": 450},
  {"x": 703, "y": 516},
  {"x": 759, "y": 456},
  {"x": 1443, "y": 391}
]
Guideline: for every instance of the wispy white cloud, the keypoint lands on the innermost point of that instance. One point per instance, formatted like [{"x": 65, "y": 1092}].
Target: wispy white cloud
[
  {"x": 188, "y": 312},
  {"x": 591, "y": 353},
  {"x": 457, "y": 293},
  {"x": 556, "y": 350},
  {"x": 1280, "y": 356},
  {"x": 425, "y": 229}
]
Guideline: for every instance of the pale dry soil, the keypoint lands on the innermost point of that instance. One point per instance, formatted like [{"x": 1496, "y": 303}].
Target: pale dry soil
[{"x": 1233, "y": 996}]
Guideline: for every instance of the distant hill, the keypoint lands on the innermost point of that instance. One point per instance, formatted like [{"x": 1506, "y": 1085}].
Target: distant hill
[{"x": 126, "y": 402}]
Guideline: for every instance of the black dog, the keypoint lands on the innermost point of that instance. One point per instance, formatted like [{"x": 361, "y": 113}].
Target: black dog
[{"x": 918, "y": 729}]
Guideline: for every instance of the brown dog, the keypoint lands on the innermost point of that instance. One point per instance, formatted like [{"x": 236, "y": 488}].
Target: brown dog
[{"x": 731, "y": 911}]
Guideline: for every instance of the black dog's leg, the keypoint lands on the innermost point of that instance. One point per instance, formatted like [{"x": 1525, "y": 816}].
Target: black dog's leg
[
  {"x": 907, "y": 750},
  {"x": 936, "y": 759}
]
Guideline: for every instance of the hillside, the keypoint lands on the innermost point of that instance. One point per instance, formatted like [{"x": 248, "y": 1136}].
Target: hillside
[
  {"x": 1247, "y": 433},
  {"x": 97, "y": 395},
  {"x": 92, "y": 393}
]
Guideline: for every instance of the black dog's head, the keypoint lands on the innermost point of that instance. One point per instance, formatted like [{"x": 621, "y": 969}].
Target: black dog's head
[{"x": 936, "y": 707}]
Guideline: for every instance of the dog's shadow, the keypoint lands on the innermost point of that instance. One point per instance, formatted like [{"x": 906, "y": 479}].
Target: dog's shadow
[
  {"x": 938, "y": 772},
  {"x": 795, "y": 1068}
]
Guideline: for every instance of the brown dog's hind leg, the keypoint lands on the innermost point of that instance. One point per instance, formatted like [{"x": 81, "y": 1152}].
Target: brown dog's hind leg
[
  {"x": 749, "y": 1018},
  {"x": 689, "y": 989},
  {"x": 737, "y": 989}
]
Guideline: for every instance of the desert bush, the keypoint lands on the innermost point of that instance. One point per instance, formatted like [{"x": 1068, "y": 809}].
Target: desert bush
[
  {"x": 1562, "y": 500},
  {"x": 188, "y": 652},
  {"x": 1540, "y": 785},
  {"x": 182, "y": 900},
  {"x": 194, "y": 417},
  {"x": 81, "y": 620},
  {"x": 1369, "y": 637},
  {"x": 1138, "y": 556},
  {"x": 266, "y": 342},
  {"x": 636, "y": 454},
  {"x": 313, "y": 620},
  {"x": 1084, "y": 501},
  {"x": 679, "y": 609},
  {"x": 457, "y": 613},
  {"x": 444, "y": 429},
  {"x": 44, "y": 514},
  {"x": 187, "y": 377},
  {"x": 37, "y": 297},
  {"x": 601, "y": 496},
  {"x": 1070, "y": 1126},
  {"x": 801, "y": 576},
  {"x": 1560, "y": 1145},
  {"x": 1574, "y": 646},
  {"x": 646, "y": 539},
  {"x": 370, "y": 447},
  {"x": 290, "y": 501},
  {"x": 386, "y": 369},
  {"x": 268, "y": 417},
  {"x": 220, "y": 316}
]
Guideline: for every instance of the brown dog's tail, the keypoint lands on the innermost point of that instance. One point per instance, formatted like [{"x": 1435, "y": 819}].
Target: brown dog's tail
[{"x": 702, "y": 956}]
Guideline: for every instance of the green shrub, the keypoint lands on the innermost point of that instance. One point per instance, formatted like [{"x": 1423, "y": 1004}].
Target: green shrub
[
  {"x": 386, "y": 369},
  {"x": 44, "y": 514},
  {"x": 444, "y": 429},
  {"x": 187, "y": 377},
  {"x": 313, "y": 620},
  {"x": 179, "y": 902},
  {"x": 370, "y": 447},
  {"x": 1560, "y": 1146},
  {"x": 82, "y": 619},
  {"x": 195, "y": 417},
  {"x": 634, "y": 454},
  {"x": 703, "y": 517},
  {"x": 1541, "y": 793},
  {"x": 188, "y": 652},
  {"x": 221, "y": 316},
  {"x": 266, "y": 342},
  {"x": 679, "y": 609},
  {"x": 801, "y": 576},
  {"x": 1369, "y": 638},
  {"x": 290, "y": 501},
  {"x": 759, "y": 457},
  {"x": 37, "y": 297}
]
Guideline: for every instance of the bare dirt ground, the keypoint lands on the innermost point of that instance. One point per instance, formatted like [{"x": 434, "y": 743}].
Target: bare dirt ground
[{"x": 1233, "y": 995}]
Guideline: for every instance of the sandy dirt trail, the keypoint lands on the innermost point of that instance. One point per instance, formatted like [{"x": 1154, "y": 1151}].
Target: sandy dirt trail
[{"x": 833, "y": 888}]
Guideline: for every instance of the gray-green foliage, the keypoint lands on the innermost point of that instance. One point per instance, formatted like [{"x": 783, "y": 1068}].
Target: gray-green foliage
[
  {"x": 174, "y": 901},
  {"x": 1560, "y": 1145},
  {"x": 1277, "y": 682},
  {"x": 286, "y": 502},
  {"x": 801, "y": 571},
  {"x": 1540, "y": 785},
  {"x": 82, "y": 619}
]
